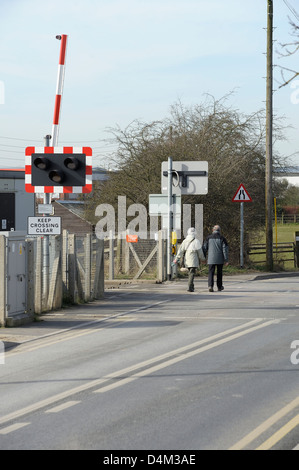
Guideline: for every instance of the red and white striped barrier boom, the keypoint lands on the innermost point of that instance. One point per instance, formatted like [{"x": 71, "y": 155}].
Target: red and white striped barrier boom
[{"x": 59, "y": 88}]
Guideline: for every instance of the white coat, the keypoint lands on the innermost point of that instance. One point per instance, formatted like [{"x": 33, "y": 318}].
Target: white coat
[{"x": 192, "y": 248}]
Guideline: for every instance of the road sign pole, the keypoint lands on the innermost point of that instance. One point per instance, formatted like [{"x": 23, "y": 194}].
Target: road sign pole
[
  {"x": 241, "y": 196},
  {"x": 170, "y": 219},
  {"x": 46, "y": 250},
  {"x": 242, "y": 234}
]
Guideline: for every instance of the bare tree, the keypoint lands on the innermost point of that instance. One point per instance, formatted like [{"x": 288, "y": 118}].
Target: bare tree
[
  {"x": 232, "y": 143},
  {"x": 290, "y": 49}
]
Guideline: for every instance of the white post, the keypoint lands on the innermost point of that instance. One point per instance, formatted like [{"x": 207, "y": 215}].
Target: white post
[{"x": 59, "y": 88}]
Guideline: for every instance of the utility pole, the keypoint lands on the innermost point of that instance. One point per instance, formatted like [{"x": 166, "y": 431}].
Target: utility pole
[
  {"x": 269, "y": 121},
  {"x": 170, "y": 219}
]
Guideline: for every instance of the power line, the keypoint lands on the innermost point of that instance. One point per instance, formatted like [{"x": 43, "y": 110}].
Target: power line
[
  {"x": 292, "y": 9},
  {"x": 62, "y": 141},
  {"x": 12, "y": 151},
  {"x": 15, "y": 146}
]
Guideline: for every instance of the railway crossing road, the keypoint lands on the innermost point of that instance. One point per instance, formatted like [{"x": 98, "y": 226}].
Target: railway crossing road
[{"x": 155, "y": 367}]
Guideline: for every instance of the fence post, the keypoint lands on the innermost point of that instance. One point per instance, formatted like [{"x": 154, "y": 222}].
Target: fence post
[
  {"x": 2, "y": 280},
  {"x": 98, "y": 290},
  {"x": 111, "y": 256},
  {"x": 55, "y": 284},
  {"x": 38, "y": 277},
  {"x": 30, "y": 277},
  {"x": 296, "y": 249},
  {"x": 119, "y": 267},
  {"x": 127, "y": 254},
  {"x": 64, "y": 262},
  {"x": 87, "y": 263},
  {"x": 160, "y": 256},
  {"x": 72, "y": 268}
]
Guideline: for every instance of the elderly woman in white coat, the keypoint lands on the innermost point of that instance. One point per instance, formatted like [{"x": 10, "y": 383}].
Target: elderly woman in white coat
[{"x": 192, "y": 250}]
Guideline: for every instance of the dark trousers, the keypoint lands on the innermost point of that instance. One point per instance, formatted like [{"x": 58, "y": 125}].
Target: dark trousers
[
  {"x": 212, "y": 268},
  {"x": 191, "y": 275}
]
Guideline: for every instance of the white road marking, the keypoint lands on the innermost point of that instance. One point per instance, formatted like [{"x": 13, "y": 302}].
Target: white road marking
[
  {"x": 63, "y": 406},
  {"x": 179, "y": 355},
  {"x": 13, "y": 427}
]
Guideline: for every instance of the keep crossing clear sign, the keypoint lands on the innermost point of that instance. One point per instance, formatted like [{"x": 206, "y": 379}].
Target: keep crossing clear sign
[{"x": 44, "y": 225}]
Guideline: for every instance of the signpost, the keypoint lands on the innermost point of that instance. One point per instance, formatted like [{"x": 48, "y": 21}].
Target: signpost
[
  {"x": 179, "y": 178},
  {"x": 241, "y": 196},
  {"x": 190, "y": 177},
  {"x": 52, "y": 169}
]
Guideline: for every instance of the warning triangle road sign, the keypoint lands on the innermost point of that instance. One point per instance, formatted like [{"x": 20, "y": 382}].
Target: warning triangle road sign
[{"x": 241, "y": 195}]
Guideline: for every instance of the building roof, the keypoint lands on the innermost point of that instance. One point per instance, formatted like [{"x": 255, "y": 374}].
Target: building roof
[
  {"x": 98, "y": 173},
  {"x": 12, "y": 173}
]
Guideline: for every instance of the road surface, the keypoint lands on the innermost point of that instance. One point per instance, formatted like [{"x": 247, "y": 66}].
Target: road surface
[{"x": 154, "y": 367}]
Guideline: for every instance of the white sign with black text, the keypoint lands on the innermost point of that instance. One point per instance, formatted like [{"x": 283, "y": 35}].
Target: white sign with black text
[{"x": 44, "y": 225}]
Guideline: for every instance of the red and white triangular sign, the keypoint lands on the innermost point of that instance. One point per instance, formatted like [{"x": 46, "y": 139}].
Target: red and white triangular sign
[{"x": 241, "y": 195}]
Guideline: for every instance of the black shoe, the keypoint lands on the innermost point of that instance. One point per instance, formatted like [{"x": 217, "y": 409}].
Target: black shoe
[
  {"x": 211, "y": 289},
  {"x": 220, "y": 289},
  {"x": 190, "y": 290}
]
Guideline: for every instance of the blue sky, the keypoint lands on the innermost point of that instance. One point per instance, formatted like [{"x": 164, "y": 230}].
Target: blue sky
[{"x": 133, "y": 59}]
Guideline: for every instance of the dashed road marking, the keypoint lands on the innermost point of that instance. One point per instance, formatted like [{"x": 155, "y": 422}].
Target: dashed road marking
[
  {"x": 13, "y": 427},
  {"x": 63, "y": 406}
]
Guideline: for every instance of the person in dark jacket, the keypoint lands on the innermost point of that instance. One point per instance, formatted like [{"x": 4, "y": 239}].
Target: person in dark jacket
[{"x": 215, "y": 248}]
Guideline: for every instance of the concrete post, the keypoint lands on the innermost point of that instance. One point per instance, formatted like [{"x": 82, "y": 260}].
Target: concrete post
[
  {"x": 30, "y": 278},
  {"x": 3, "y": 269},
  {"x": 38, "y": 277},
  {"x": 111, "y": 256},
  {"x": 87, "y": 283},
  {"x": 72, "y": 268}
]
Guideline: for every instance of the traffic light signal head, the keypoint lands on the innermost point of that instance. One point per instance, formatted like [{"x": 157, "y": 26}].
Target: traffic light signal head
[{"x": 58, "y": 171}]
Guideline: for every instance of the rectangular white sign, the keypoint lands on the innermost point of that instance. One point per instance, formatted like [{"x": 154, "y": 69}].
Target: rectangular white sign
[
  {"x": 45, "y": 209},
  {"x": 44, "y": 225},
  {"x": 189, "y": 177},
  {"x": 158, "y": 204}
]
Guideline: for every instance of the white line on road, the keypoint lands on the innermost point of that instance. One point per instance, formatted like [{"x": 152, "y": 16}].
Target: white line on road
[
  {"x": 181, "y": 356},
  {"x": 13, "y": 427},
  {"x": 69, "y": 333},
  {"x": 184, "y": 351},
  {"x": 62, "y": 407}
]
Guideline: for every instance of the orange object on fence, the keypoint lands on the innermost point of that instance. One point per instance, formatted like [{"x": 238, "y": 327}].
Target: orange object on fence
[{"x": 132, "y": 238}]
